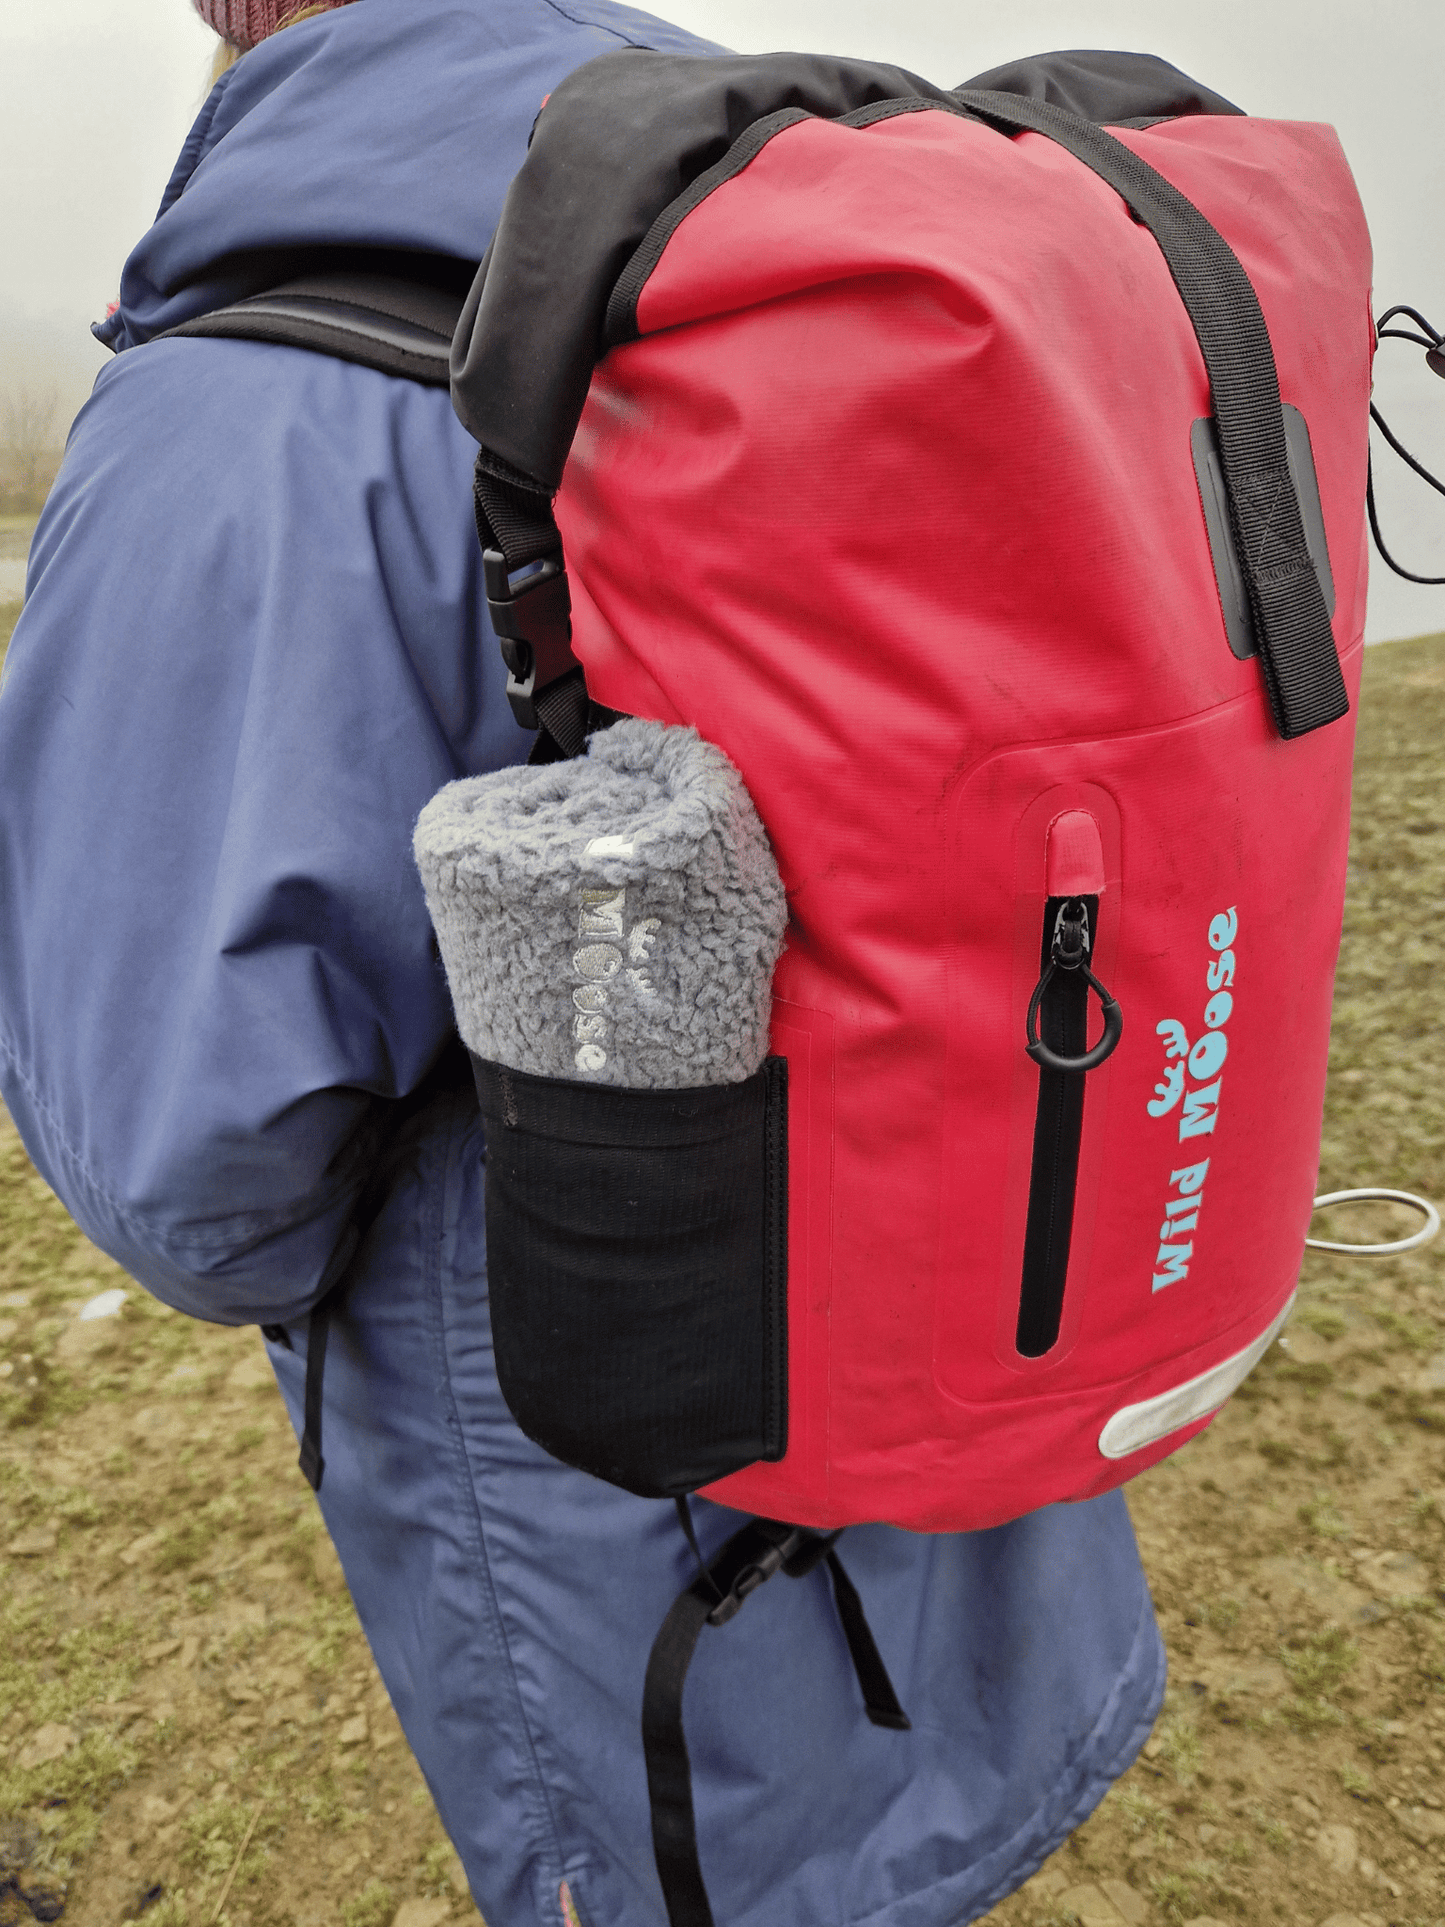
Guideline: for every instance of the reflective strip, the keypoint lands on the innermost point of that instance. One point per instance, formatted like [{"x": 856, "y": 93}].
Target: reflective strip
[{"x": 1134, "y": 1426}]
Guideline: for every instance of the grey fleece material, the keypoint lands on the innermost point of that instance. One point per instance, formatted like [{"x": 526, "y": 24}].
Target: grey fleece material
[{"x": 614, "y": 919}]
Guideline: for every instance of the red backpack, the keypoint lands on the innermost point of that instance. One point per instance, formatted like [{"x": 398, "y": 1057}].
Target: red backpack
[{"x": 982, "y": 481}]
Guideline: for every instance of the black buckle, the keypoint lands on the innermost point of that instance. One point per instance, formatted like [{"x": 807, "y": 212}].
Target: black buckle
[
  {"x": 533, "y": 621},
  {"x": 771, "y": 1547}
]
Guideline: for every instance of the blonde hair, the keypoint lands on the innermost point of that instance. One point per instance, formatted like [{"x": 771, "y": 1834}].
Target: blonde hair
[{"x": 228, "y": 53}]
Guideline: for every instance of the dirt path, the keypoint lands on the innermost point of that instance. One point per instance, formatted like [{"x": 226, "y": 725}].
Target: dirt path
[{"x": 178, "y": 1658}]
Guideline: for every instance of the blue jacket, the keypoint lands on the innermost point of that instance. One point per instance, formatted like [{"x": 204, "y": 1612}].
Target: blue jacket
[{"x": 255, "y": 644}]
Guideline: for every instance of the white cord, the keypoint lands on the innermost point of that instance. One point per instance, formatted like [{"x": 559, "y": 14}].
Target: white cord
[{"x": 1373, "y": 1195}]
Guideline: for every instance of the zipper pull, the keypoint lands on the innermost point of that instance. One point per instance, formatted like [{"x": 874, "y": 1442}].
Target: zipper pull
[
  {"x": 1071, "y": 934},
  {"x": 1069, "y": 951}
]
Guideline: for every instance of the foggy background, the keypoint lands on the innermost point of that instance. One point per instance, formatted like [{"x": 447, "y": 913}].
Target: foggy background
[{"x": 96, "y": 97}]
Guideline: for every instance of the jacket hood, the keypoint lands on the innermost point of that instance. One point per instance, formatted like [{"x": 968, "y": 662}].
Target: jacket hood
[{"x": 385, "y": 125}]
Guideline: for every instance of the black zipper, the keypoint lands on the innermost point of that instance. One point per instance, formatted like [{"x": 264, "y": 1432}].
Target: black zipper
[{"x": 1060, "y": 1048}]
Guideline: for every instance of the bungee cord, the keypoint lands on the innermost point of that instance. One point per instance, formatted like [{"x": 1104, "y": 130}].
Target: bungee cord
[{"x": 1433, "y": 343}]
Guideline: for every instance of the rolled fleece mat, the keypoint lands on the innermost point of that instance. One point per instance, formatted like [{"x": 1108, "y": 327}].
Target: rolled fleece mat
[{"x": 614, "y": 919}]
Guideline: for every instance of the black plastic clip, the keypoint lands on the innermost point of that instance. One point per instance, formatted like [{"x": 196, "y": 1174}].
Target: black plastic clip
[
  {"x": 772, "y": 1546},
  {"x": 1069, "y": 951},
  {"x": 533, "y": 621}
]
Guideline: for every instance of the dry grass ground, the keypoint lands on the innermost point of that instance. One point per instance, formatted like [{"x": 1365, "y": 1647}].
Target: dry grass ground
[{"x": 180, "y": 1669}]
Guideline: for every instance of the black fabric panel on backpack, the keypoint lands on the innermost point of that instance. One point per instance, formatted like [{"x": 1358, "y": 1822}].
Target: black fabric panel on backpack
[
  {"x": 533, "y": 326},
  {"x": 637, "y": 1254},
  {"x": 532, "y": 329},
  {"x": 620, "y": 321},
  {"x": 1103, "y": 86}
]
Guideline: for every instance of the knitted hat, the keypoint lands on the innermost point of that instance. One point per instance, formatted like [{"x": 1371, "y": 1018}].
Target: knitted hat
[
  {"x": 244, "y": 22},
  {"x": 614, "y": 919}
]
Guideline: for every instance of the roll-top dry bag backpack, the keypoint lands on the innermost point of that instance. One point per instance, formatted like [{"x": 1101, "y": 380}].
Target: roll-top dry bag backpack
[
  {"x": 987, "y": 484},
  {"x": 959, "y": 496}
]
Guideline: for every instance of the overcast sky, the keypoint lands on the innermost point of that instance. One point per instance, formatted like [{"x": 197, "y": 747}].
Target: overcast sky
[{"x": 96, "y": 97}]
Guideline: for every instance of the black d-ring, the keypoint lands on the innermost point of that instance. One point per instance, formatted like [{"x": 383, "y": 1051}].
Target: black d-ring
[{"x": 1091, "y": 1059}]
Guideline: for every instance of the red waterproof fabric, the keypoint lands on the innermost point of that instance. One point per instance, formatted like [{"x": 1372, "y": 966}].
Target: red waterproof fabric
[{"x": 894, "y": 501}]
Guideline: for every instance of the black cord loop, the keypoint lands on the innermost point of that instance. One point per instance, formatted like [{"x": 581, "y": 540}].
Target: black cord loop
[
  {"x": 1434, "y": 345},
  {"x": 1091, "y": 1059}
]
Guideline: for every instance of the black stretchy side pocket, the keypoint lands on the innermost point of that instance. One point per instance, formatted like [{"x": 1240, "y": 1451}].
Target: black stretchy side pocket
[{"x": 637, "y": 1255}]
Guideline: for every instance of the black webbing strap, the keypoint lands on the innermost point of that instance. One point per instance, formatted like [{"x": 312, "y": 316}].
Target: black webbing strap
[
  {"x": 748, "y": 1560},
  {"x": 1296, "y": 644},
  {"x": 311, "y": 1462},
  {"x": 512, "y": 513},
  {"x": 563, "y": 710},
  {"x": 669, "y": 1772},
  {"x": 451, "y": 1071},
  {"x": 880, "y": 1702},
  {"x": 689, "y": 1532},
  {"x": 382, "y": 321}
]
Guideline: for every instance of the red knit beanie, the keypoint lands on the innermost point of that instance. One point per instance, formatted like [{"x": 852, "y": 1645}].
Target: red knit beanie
[{"x": 244, "y": 22}]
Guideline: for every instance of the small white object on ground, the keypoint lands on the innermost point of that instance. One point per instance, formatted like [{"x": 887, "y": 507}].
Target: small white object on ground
[{"x": 107, "y": 1305}]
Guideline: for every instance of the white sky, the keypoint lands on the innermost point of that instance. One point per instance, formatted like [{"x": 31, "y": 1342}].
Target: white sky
[{"x": 96, "y": 97}]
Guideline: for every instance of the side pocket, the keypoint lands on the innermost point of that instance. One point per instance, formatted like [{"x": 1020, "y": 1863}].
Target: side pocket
[{"x": 637, "y": 1257}]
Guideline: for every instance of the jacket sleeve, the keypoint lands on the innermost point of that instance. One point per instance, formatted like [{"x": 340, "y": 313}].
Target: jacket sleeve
[{"x": 255, "y": 644}]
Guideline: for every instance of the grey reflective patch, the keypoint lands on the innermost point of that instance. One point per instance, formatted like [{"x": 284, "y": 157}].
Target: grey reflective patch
[{"x": 1134, "y": 1426}]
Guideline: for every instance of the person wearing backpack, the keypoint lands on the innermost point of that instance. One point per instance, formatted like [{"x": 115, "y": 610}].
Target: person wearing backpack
[{"x": 255, "y": 645}]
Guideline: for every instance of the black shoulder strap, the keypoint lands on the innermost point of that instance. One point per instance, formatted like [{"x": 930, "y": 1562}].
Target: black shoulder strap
[{"x": 379, "y": 320}]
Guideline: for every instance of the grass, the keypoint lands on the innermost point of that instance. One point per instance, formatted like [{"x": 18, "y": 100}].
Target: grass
[{"x": 1320, "y": 1664}]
